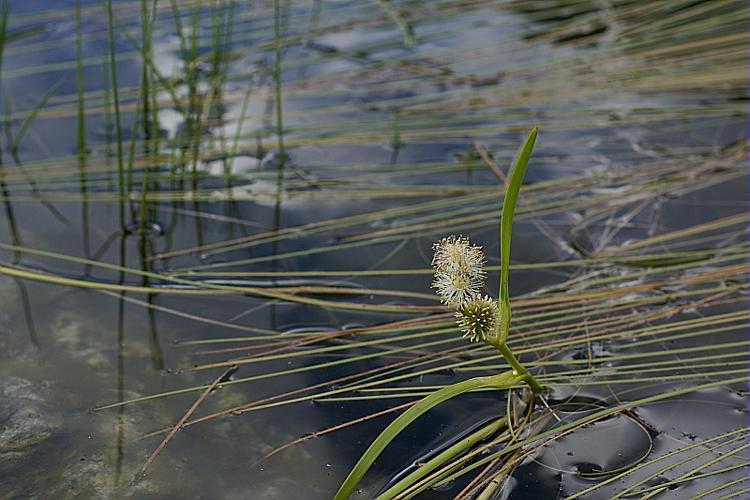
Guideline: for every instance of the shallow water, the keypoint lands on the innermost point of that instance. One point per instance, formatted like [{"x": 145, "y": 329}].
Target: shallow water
[{"x": 636, "y": 141}]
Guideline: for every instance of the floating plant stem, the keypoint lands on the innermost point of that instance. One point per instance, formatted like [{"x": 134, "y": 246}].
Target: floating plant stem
[
  {"x": 503, "y": 380},
  {"x": 462, "y": 445}
]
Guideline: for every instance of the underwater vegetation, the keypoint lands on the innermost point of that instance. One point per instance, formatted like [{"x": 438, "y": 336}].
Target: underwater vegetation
[{"x": 263, "y": 248}]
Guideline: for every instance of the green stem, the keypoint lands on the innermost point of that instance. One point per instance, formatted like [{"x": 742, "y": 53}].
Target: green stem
[
  {"x": 519, "y": 368},
  {"x": 501, "y": 381},
  {"x": 438, "y": 460}
]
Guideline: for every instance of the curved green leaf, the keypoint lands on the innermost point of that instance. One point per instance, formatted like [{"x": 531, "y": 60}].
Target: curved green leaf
[
  {"x": 503, "y": 380},
  {"x": 462, "y": 445},
  {"x": 513, "y": 186}
]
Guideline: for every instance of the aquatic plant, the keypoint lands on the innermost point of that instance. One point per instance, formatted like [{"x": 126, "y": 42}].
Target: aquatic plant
[
  {"x": 637, "y": 304},
  {"x": 459, "y": 278}
]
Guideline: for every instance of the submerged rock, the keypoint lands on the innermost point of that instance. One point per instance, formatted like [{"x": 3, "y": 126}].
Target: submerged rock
[
  {"x": 38, "y": 460},
  {"x": 26, "y": 420}
]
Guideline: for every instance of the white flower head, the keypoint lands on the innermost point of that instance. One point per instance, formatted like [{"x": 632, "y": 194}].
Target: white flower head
[
  {"x": 479, "y": 319},
  {"x": 459, "y": 273}
]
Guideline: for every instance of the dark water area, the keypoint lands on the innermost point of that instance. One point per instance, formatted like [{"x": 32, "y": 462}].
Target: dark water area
[{"x": 303, "y": 258}]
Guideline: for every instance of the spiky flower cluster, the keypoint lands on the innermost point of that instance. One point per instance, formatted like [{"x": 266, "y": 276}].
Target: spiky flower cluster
[
  {"x": 478, "y": 318},
  {"x": 459, "y": 273},
  {"x": 459, "y": 278}
]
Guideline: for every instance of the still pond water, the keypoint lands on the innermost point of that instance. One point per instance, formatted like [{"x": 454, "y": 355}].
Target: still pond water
[{"x": 394, "y": 114}]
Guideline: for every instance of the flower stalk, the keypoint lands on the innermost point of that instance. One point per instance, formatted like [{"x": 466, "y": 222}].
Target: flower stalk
[
  {"x": 519, "y": 368},
  {"x": 459, "y": 276},
  {"x": 459, "y": 280}
]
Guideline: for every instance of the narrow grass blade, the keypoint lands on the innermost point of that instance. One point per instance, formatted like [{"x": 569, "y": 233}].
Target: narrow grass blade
[
  {"x": 501, "y": 381},
  {"x": 513, "y": 187}
]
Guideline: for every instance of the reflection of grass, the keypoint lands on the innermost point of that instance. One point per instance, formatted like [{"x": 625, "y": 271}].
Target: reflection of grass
[
  {"x": 277, "y": 78},
  {"x": 629, "y": 71},
  {"x": 114, "y": 87}
]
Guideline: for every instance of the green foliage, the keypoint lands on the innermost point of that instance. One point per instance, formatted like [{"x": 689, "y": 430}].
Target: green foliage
[
  {"x": 504, "y": 380},
  {"x": 671, "y": 300},
  {"x": 515, "y": 179}
]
